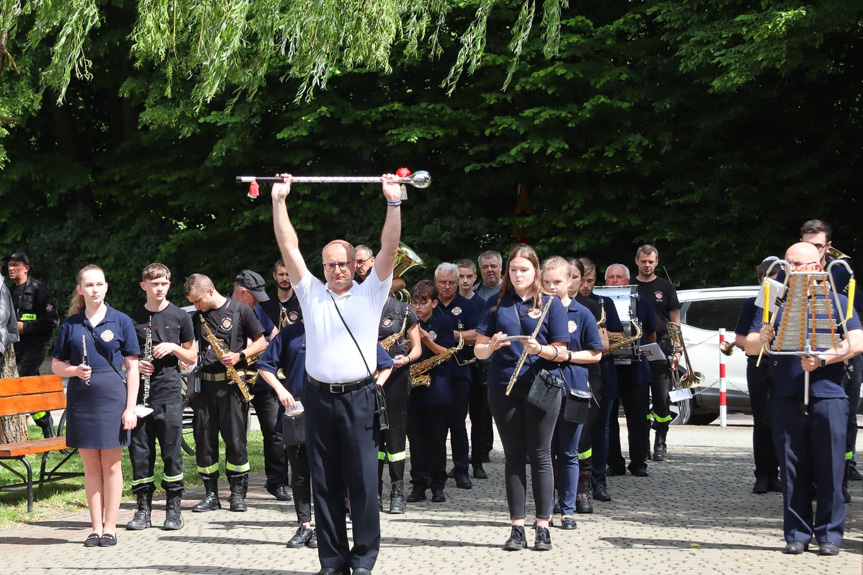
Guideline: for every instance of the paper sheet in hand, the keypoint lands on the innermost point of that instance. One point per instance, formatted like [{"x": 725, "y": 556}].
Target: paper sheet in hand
[
  {"x": 652, "y": 352},
  {"x": 298, "y": 409},
  {"x": 777, "y": 290},
  {"x": 680, "y": 394},
  {"x": 514, "y": 338}
]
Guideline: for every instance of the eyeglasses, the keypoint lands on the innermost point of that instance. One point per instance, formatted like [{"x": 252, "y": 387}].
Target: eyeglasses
[
  {"x": 799, "y": 267},
  {"x": 362, "y": 262},
  {"x": 447, "y": 283},
  {"x": 341, "y": 265}
]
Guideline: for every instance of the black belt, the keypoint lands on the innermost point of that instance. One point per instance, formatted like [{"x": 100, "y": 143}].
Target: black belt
[
  {"x": 221, "y": 376},
  {"x": 337, "y": 388}
]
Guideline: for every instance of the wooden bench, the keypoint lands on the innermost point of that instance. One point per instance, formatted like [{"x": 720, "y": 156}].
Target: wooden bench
[{"x": 25, "y": 395}]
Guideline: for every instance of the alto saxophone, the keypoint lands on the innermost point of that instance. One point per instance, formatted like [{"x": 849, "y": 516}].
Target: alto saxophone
[
  {"x": 143, "y": 409},
  {"x": 220, "y": 353},
  {"x": 420, "y": 376},
  {"x": 388, "y": 341}
]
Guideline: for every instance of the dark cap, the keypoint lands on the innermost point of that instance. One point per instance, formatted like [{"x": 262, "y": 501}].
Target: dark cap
[
  {"x": 21, "y": 256},
  {"x": 253, "y": 282}
]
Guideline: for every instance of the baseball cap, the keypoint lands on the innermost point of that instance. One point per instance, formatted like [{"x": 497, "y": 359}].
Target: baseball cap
[
  {"x": 21, "y": 256},
  {"x": 253, "y": 282}
]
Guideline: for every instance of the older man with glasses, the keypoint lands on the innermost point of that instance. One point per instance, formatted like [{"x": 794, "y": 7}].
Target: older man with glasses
[{"x": 341, "y": 320}]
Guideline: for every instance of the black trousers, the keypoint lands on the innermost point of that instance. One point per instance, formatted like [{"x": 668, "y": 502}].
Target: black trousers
[
  {"x": 585, "y": 442},
  {"x": 391, "y": 449},
  {"x": 29, "y": 358},
  {"x": 301, "y": 482},
  {"x": 275, "y": 461},
  {"x": 759, "y": 382},
  {"x": 427, "y": 428},
  {"x": 636, "y": 406},
  {"x": 525, "y": 431},
  {"x": 165, "y": 424},
  {"x": 660, "y": 386},
  {"x": 342, "y": 450},
  {"x": 457, "y": 415},
  {"x": 220, "y": 409},
  {"x": 852, "y": 381},
  {"x": 481, "y": 432}
]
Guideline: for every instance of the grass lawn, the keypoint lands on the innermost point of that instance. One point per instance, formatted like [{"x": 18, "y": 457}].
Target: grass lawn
[{"x": 67, "y": 496}]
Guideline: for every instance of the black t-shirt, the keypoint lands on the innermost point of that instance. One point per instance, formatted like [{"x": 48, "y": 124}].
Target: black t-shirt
[
  {"x": 221, "y": 323},
  {"x": 282, "y": 313},
  {"x": 171, "y": 325},
  {"x": 392, "y": 319},
  {"x": 662, "y": 295}
]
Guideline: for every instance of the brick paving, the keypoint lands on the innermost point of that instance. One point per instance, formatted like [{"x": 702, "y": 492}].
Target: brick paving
[{"x": 695, "y": 514}]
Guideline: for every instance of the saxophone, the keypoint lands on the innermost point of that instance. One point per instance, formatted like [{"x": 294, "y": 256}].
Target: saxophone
[
  {"x": 388, "y": 341},
  {"x": 284, "y": 320},
  {"x": 619, "y": 341},
  {"x": 220, "y": 352},
  {"x": 143, "y": 409},
  {"x": 420, "y": 376}
]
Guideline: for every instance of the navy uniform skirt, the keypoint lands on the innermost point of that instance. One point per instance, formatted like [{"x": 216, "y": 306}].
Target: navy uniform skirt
[{"x": 94, "y": 412}]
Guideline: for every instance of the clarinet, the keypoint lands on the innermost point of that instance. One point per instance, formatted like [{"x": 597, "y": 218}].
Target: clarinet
[
  {"x": 84, "y": 354},
  {"x": 143, "y": 409}
]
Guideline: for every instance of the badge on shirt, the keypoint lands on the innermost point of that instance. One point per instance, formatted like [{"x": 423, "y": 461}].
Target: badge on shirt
[
  {"x": 293, "y": 317},
  {"x": 456, "y": 310},
  {"x": 433, "y": 336},
  {"x": 49, "y": 307},
  {"x": 388, "y": 321},
  {"x": 227, "y": 323},
  {"x": 534, "y": 313},
  {"x": 658, "y": 295},
  {"x": 107, "y": 335},
  {"x": 572, "y": 326}
]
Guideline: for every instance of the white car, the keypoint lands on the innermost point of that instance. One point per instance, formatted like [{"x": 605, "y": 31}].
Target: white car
[{"x": 702, "y": 313}]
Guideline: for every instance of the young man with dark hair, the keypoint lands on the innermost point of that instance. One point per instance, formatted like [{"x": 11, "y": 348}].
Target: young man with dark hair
[{"x": 167, "y": 331}]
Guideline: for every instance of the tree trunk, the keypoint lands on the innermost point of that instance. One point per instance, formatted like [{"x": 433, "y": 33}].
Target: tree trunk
[{"x": 13, "y": 428}]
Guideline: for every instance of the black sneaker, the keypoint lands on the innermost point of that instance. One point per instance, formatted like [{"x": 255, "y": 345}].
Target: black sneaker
[
  {"x": 761, "y": 485},
  {"x": 853, "y": 474},
  {"x": 517, "y": 541},
  {"x": 542, "y": 540},
  {"x": 417, "y": 494},
  {"x": 300, "y": 539},
  {"x": 438, "y": 496}
]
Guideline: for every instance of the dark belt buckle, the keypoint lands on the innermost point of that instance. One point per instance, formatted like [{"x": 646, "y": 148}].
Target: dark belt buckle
[{"x": 339, "y": 387}]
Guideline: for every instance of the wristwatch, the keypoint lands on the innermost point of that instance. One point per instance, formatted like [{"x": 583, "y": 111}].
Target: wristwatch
[
  {"x": 822, "y": 362},
  {"x": 242, "y": 356}
]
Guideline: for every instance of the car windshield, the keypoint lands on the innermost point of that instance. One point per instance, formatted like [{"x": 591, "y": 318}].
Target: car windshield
[{"x": 714, "y": 314}]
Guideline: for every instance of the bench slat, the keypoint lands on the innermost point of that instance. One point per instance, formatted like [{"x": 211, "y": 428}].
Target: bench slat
[
  {"x": 30, "y": 385},
  {"x": 20, "y": 404},
  {"x": 33, "y": 446}
]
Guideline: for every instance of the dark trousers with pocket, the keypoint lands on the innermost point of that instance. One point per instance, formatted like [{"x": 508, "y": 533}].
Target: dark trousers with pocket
[
  {"x": 165, "y": 424},
  {"x": 427, "y": 427},
  {"x": 275, "y": 461},
  {"x": 219, "y": 409}
]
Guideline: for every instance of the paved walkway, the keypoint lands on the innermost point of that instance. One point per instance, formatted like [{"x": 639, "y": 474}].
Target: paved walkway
[{"x": 695, "y": 514}]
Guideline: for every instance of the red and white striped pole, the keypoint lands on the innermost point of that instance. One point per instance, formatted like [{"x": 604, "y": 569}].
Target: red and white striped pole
[{"x": 723, "y": 405}]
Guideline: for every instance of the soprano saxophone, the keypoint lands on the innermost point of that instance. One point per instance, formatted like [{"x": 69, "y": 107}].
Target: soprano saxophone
[
  {"x": 143, "y": 409},
  {"x": 220, "y": 353}
]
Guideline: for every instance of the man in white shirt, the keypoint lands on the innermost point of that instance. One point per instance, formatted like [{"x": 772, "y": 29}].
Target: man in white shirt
[{"x": 341, "y": 320}]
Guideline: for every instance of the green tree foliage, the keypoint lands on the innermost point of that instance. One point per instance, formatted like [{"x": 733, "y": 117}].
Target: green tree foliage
[{"x": 711, "y": 129}]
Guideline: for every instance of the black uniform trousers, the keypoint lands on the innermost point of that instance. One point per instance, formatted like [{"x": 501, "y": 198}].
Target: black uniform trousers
[
  {"x": 393, "y": 441},
  {"x": 427, "y": 428},
  {"x": 481, "y": 432},
  {"x": 660, "y": 387},
  {"x": 301, "y": 482},
  {"x": 30, "y": 357},
  {"x": 166, "y": 425},
  {"x": 759, "y": 382},
  {"x": 635, "y": 399},
  {"x": 457, "y": 414},
  {"x": 342, "y": 449},
  {"x": 852, "y": 381},
  {"x": 585, "y": 442},
  {"x": 599, "y": 458},
  {"x": 812, "y": 456},
  {"x": 267, "y": 406},
  {"x": 219, "y": 408}
]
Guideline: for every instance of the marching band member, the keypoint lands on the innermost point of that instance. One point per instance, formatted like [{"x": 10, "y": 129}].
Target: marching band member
[
  {"x": 584, "y": 348},
  {"x": 282, "y": 307},
  {"x": 429, "y": 407},
  {"x": 168, "y": 331},
  {"x": 219, "y": 407},
  {"x": 341, "y": 316},
  {"x": 94, "y": 343},
  {"x": 810, "y": 446},
  {"x": 524, "y": 429}
]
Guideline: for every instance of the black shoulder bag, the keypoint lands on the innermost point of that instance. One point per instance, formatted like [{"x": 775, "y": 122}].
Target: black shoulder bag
[{"x": 546, "y": 386}]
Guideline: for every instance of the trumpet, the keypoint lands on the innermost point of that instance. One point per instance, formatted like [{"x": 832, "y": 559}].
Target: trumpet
[
  {"x": 727, "y": 347},
  {"x": 691, "y": 378}
]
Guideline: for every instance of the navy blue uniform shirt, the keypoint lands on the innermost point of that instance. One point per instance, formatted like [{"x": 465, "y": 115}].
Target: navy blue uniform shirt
[
  {"x": 440, "y": 390},
  {"x": 464, "y": 315},
  {"x": 514, "y": 317},
  {"x": 583, "y": 335},
  {"x": 114, "y": 336}
]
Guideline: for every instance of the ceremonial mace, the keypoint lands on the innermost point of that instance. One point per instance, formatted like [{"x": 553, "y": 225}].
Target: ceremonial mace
[{"x": 417, "y": 180}]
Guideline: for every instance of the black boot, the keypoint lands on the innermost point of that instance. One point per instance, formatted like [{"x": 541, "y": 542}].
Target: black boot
[
  {"x": 210, "y": 501},
  {"x": 46, "y": 424},
  {"x": 582, "y": 494},
  {"x": 239, "y": 485},
  {"x": 173, "y": 518},
  {"x": 660, "y": 452},
  {"x": 141, "y": 520},
  {"x": 397, "y": 498}
]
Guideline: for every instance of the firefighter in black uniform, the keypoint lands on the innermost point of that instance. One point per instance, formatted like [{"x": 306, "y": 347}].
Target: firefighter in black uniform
[
  {"x": 166, "y": 336},
  {"x": 219, "y": 406},
  {"x": 37, "y": 318},
  {"x": 283, "y": 307}
]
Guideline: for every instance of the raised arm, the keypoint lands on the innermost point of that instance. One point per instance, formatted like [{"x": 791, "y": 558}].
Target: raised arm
[
  {"x": 386, "y": 258},
  {"x": 286, "y": 235}
]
